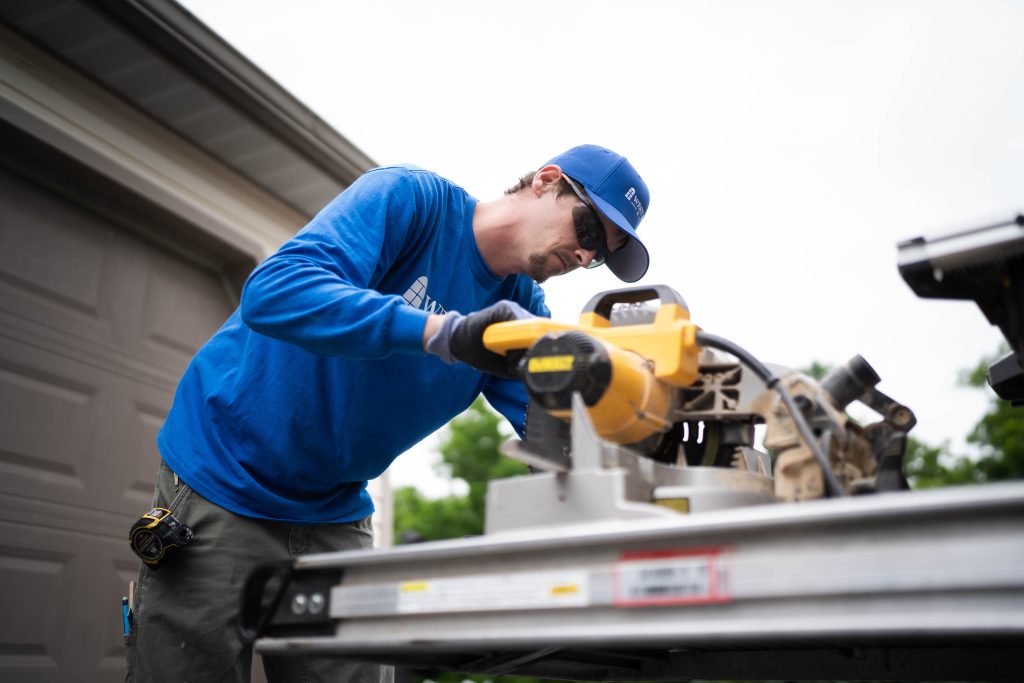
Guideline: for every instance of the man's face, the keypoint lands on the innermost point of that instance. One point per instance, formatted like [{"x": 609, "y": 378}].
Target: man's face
[{"x": 563, "y": 224}]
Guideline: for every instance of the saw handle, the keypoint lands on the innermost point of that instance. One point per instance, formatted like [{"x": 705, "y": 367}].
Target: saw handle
[{"x": 602, "y": 303}]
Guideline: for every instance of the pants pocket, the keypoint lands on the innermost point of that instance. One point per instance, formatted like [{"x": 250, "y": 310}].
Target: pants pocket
[{"x": 171, "y": 491}]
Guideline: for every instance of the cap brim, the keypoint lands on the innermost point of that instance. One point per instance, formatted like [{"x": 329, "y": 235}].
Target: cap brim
[{"x": 629, "y": 262}]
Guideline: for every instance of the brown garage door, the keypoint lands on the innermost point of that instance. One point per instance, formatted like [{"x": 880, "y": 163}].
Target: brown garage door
[{"x": 96, "y": 326}]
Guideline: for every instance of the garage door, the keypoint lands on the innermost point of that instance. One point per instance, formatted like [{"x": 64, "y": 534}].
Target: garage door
[{"x": 96, "y": 326}]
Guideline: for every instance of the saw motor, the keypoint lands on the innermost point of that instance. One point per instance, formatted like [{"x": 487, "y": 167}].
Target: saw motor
[{"x": 626, "y": 374}]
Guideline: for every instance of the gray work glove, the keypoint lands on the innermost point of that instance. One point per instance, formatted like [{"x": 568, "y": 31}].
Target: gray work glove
[{"x": 461, "y": 338}]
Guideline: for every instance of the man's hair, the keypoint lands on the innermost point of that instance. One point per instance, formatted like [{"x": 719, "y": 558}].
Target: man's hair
[{"x": 527, "y": 180}]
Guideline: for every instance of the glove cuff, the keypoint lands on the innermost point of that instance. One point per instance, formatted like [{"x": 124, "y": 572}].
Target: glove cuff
[{"x": 441, "y": 343}]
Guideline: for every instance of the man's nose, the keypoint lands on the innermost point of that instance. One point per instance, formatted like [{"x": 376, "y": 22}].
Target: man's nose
[{"x": 585, "y": 256}]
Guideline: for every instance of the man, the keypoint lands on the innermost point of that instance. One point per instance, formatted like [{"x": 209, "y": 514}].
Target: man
[{"x": 348, "y": 348}]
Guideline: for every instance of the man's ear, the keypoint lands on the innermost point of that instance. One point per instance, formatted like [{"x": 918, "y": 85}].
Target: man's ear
[{"x": 546, "y": 179}]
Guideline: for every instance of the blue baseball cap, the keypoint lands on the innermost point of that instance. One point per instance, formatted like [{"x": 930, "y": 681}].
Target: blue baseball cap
[{"x": 619, "y": 193}]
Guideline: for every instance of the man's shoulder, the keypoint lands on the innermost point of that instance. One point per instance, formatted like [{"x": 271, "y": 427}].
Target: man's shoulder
[{"x": 412, "y": 176}]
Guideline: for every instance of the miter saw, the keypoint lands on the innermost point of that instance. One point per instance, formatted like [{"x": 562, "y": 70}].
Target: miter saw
[{"x": 636, "y": 413}]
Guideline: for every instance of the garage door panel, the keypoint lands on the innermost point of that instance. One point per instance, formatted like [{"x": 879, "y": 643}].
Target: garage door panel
[
  {"x": 46, "y": 425},
  {"x": 76, "y": 433},
  {"x": 126, "y": 459},
  {"x": 128, "y": 264},
  {"x": 136, "y": 485},
  {"x": 31, "y": 601},
  {"x": 62, "y": 608},
  {"x": 26, "y": 304},
  {"x": 180, "y": 305},
  {"x": 50, "y": 250},
  {"x": 105, "y": 568},
  {"x": 78, "y": 276}
]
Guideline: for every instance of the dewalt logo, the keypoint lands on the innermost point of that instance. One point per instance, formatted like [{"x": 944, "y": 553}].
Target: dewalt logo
[{"x": 550, "y": 364}]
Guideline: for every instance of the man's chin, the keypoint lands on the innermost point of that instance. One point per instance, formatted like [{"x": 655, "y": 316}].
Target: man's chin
[{"x": 539, "y": 270}]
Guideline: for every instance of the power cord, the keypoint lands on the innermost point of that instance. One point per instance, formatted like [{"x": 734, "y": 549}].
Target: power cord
[{"x": 772, "y": 382}]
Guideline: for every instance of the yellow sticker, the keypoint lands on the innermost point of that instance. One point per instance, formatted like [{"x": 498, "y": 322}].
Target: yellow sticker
[
  {"x": 565, "y": 589},
  {"x": 414, "y": 586},
  {"x": 550, "y": 364},
  {"x": 678, "y": 504}
]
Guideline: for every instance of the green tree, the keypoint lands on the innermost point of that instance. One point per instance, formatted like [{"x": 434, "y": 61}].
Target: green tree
[
  {"x": 418, "y": 518},
  {"x": 816, "y": 370},
  {"x": 928, "y": 467},
  {"x": 999, "y": 434}
]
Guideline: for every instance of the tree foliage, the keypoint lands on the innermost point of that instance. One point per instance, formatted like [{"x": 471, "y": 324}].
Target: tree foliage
[
  {"x": 418, "y": 518},
  {"x": 999, "y": 435},
  {"x": 928, "y": 467},
  {"x": 816, "y": 370}
]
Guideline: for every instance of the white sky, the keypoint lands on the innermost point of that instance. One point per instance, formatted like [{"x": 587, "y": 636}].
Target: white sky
[{"x": 788, "y": 147}]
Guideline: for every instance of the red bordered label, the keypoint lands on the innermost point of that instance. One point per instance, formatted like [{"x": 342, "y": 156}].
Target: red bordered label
[{"x": 672, "y": 577}]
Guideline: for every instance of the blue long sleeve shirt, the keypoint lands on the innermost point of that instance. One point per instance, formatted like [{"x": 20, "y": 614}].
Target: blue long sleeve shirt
[{"x": 318, "y": 381}]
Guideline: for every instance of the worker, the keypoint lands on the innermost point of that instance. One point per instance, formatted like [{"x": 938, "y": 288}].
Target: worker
[{"x": 359, "y": 337}]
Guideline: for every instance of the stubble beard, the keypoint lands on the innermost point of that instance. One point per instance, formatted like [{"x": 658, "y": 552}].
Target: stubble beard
[{"x": 538, "y": 268}]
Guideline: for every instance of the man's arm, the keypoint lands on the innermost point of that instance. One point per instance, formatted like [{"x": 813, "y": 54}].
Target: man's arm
[{"x": 317, "y": 291}]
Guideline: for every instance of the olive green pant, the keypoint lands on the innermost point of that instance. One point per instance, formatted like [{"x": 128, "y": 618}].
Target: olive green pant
[{"x": 185, "y": 614}]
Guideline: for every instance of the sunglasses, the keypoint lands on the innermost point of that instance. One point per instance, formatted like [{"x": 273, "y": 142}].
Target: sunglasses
[{"x": 590, "y": 232}]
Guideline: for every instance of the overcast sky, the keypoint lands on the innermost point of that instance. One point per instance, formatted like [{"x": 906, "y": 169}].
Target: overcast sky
[{"x": 788, "y": 147}]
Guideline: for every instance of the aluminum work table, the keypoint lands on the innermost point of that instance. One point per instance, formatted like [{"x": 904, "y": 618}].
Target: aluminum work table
[{"x": 922, "y": 585}]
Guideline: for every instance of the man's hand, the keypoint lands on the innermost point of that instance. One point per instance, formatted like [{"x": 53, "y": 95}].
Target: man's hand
[{"x": 460, "y": 338}]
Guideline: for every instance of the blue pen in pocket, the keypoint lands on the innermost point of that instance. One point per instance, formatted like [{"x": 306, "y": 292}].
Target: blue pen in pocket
[{"x": 125, "y": 615}]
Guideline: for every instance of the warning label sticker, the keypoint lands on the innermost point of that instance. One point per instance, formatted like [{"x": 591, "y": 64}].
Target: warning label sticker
[
  {"x": 672, "y": 577},
  {"x": 520, "y": 590}
]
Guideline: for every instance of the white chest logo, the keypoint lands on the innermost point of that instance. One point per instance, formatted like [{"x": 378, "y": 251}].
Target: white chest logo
[{"x": 417, "y": 297}]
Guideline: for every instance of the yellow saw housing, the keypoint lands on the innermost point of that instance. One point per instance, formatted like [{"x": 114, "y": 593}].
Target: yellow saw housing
[{"x": 626, "y": 373}]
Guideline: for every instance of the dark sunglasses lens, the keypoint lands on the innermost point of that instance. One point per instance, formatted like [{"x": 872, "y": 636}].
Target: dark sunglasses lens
[{"x": 590, "y": 232}]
